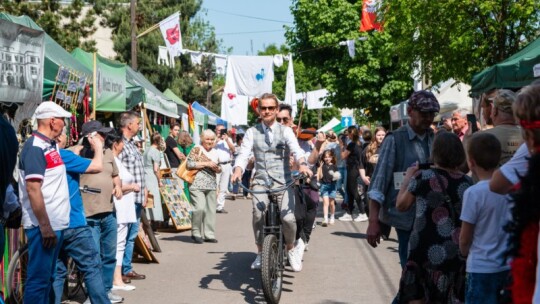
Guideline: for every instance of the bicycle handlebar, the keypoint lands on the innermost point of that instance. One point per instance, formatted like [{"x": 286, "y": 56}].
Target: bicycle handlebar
[
  {"x": 87, "y": 189},
  {"x": 296, "y": 175}
]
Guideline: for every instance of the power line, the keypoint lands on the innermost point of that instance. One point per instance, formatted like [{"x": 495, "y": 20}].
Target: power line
[
  {"x": 255, "y": 32},
  {"x": 246, "y": 16}
]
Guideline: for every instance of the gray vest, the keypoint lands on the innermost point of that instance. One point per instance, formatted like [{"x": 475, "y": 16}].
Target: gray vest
[
  {"x": 407, "y": 152},
  {"x": 271, "y": 162}
]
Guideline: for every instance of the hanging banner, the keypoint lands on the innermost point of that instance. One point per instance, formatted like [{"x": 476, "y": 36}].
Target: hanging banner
[
  {"x": 170, "y": 29},
  {"x": 21, "y": 63},
  {"x": 369, "y": 16},
  {"x": 249, "y": 75},
  {"x": 234, "y": 109},
  {"x": 111, "y": 85},
  {"x": 290, "y": 88}
]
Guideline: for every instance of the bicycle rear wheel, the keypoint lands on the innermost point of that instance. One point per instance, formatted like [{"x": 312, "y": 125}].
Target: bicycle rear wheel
[
  {"x": 271, "y": 269},
  {"x": 17, "y": 273}
]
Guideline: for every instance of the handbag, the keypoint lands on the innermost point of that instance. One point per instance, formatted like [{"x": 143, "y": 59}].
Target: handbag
[{"x": 185, "y": 174}]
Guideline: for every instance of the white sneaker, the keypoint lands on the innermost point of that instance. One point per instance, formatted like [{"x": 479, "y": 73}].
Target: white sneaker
[
  {"x": 257, "y": 263},
  {"x": 294, "y": 260},
  {"x": 332, "y": 221},
  {"x": 324, "y": 223},
  {"x": 125, "y": 287},
  {"x": 307, "y": 247},
  {"x": 346, "y": 218},
  {"x": 300, "y": 247},
  {"x": 362, "y": 217}
]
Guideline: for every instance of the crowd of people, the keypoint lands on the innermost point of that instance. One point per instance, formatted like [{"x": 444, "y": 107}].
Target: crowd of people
[{"x": 442, "y": 187}]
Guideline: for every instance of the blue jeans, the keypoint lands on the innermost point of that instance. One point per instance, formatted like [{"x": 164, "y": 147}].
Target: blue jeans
[
  {"x": 328, "y": 190},
  {"x": 133, "y": 230},
  {"x": 104, "y": 233},
  {"x": 340, "y": 183},
  {"x": 484, "y": 287},
  {"x": 80, "y": 246},
  {"x": 41, "y": 268},
  {"x": 403, "y": 245}
]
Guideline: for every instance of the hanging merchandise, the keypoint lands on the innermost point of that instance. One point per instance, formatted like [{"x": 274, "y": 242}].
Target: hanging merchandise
[
  {"x": 234, "y": 108},
  {"x": 185, "y": 122},
  {"x": 170, "y": 29},
  {"x": 316, "y": 99},
  {"x": 278, "y": 60},
  {"x": 221, "y": 64},
  {"x": 290, "y": 88},
  {"x": 196, "y": 57},
  {"x": 249, "y": 75},
  {"x": 163, "y": 55},
  {"x": 350, "y": 46}
]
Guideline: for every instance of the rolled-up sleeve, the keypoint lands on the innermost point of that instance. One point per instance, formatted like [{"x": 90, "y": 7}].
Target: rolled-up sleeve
[
  {"x": 245, "y": 151},
  {"x": 292, "y": 143},
  {"x": 383, "y": 174}
]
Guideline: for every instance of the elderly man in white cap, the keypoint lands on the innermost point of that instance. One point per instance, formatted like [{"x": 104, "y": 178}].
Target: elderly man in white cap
[{"x": 44, "y": 197}]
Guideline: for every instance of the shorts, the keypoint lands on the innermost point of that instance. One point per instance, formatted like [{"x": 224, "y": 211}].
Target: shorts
[{"x": 328, "y": 190}]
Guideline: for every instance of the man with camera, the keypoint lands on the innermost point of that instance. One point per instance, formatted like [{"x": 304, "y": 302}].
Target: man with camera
[{"x": 225, "y": 148}]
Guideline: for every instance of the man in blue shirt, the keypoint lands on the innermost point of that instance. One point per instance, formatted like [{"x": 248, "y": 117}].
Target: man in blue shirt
[{"x": 78, "y": 241}]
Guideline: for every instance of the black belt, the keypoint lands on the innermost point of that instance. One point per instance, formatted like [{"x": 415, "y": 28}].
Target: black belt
[{"x": 224, "y": 163}]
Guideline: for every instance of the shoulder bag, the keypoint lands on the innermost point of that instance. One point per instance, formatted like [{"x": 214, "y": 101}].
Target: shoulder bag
[{"x": 185, "y": 174}]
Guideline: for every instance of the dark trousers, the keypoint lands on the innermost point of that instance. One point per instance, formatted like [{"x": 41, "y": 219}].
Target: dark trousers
[
  {"x": 352, "y": 191},
  {"x": 246, "y": 178},
  {"x": 305, "y": 212}
]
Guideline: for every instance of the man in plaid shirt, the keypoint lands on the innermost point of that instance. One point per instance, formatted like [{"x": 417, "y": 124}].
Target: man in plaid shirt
[{"x": 130, "y": 123}]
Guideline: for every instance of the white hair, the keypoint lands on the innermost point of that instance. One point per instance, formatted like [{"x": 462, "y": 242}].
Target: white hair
[
  {"x": 462, "y": 112},
  {"x": 207, "y": 133}
]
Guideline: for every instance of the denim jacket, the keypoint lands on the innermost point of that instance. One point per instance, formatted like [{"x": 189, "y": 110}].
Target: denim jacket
[{"x": 399, "y": 150}]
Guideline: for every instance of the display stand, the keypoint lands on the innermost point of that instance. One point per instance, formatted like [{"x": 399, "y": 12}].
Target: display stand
[{"x": 177, "y": 203}]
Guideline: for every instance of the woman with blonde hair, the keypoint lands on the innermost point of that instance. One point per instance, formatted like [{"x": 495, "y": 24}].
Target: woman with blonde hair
[{"x": 204, "y": 158}]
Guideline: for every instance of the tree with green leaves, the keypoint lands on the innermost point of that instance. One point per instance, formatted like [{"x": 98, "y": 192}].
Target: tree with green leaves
[
  {"x": 188, "y": 81},
  {"x": 372, "y": 81},
  {"x": 456, "y": 38},
  {"x": 69, "y": 25}
]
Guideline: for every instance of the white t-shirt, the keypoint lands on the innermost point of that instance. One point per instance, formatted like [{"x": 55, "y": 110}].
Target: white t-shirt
[
  {"x": 489, "y": 212},
  {"x": 125, "y": 207},
  {"x": 517, "y": 165},
  {"x": 223, "y": 150},
  {"x": 40, "y": 160}
]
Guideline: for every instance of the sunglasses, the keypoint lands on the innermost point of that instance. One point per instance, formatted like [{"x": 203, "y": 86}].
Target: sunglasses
[
  {"x": 284, "y": 119},
  {"x": 268, "y": 108}
]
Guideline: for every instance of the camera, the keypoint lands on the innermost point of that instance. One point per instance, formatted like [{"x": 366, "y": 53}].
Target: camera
[
  {"x": 222, "y": 132},
  {"x": 425, "y": 166}
]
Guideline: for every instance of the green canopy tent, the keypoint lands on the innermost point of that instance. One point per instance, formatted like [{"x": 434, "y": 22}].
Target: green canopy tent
[
  {"x": 55, "y": 57},
  {"x": 153, "y": 98},
  {"x": 514, "y": 72},
  {"x": 111, "y": 81},
  {"x": 182, "y": 105}
]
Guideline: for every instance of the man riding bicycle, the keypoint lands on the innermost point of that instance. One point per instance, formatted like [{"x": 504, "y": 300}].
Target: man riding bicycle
[{"x": 272, "y": 144}]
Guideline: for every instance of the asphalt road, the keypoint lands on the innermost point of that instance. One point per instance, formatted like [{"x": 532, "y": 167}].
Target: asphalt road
[{"x": 340, "y": 267}]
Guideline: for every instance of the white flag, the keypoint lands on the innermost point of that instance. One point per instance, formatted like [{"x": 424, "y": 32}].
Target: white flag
[
  {"x": 170, "y": 29},
  {"x": 316, "y": 99},
  {"x": 290, "y": 88},
  {"x": 234, "y": 108},
  {"x": 250, "y": 75}
]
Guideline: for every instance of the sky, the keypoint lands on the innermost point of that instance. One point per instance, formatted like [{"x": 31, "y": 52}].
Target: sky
[{"x": 241, "y": 32}]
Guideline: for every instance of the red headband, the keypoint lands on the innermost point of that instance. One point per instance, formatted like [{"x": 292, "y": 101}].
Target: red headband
[{"x": 530, "y": 124}]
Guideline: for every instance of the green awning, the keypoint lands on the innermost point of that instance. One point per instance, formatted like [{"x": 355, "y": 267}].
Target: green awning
[
  {"x": 153, "y": 98},
  {"x": 176, "y": 99},
  {"x": 514, "y": 72},
  {"x": 55, "y": 56},
  {"x": 111, "y": 81}
]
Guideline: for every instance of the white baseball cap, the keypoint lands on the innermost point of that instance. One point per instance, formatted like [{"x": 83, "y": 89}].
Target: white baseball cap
[{"x": 49, "y": 109}]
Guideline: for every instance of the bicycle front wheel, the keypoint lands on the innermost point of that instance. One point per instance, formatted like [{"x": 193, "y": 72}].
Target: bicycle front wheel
[
  {"x": 271, "y": 269},
  {"x": 17, "y": 273}
]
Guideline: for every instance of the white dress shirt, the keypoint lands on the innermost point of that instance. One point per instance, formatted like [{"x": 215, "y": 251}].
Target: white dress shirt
[{"x": 247, "y": 145}]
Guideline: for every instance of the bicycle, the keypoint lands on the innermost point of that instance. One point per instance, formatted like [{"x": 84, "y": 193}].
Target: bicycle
[
  {"x": 17, "y": 270},
  {"x": 274, "y": 253}
]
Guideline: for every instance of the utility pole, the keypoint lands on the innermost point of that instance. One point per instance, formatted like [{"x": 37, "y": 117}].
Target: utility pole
[
  {"x": 209, "y": 92},
  {"x": 133, "y": 10}
]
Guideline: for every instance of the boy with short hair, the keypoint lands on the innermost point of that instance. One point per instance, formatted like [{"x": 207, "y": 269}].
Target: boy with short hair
[{"x": 484, "y": 214}]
